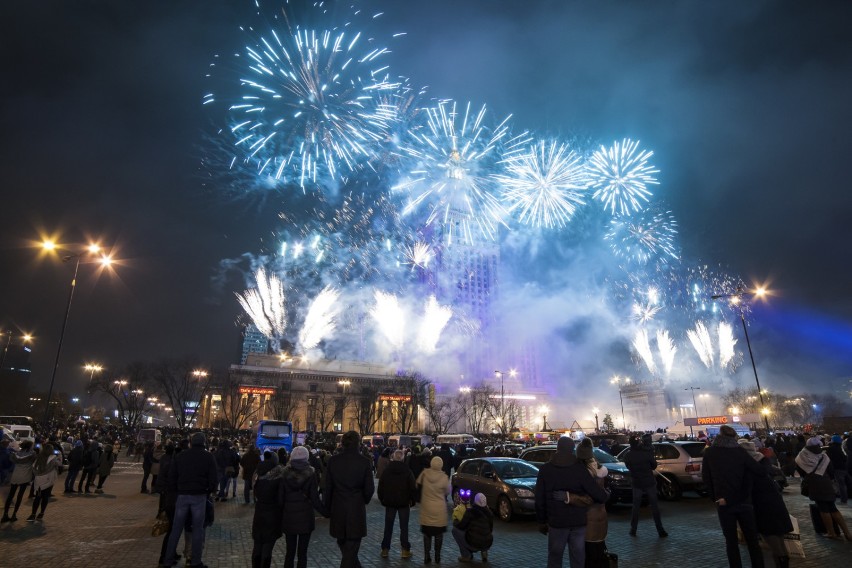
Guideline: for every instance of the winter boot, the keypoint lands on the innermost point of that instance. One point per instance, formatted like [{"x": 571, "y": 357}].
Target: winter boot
[
  {"x": 439, "y": 542},
  {"x": 427, "y": 549}
]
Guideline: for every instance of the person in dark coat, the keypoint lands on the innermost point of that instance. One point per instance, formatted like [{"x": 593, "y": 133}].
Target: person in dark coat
[
  {"x": 147, "y": 464},
  {"x": 473, "y": 533},
  {"x": 225, "y": 468},
  {"x": 249, "y": 463},
  {"x": 75, "y": 464},
  {"x": 348, "y": 488},
  {"x": 770, "y": 511},
  {"x": 268, "y": 497},
  {"x": 446, "y": 454},
  {"x": 397, "y": 492},
  {"x": 564, "y": 524},
  {"x": 301, "y": 498},
  {"x": 419, "y": 461},
  {"x": 834, "y": 451},
  {"x": 168, "y": 496},
  {"x": 641, "y": 463},
  {"x": 725, "y": 469},
  {"x": 91, "y": 462}
]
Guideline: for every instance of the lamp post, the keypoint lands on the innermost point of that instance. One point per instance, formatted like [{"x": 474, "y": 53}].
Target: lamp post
[
  {"x": 26, "y": 337},
  {"x": 512, "y": 373},
  {"x": 736, "y": 299},
  {"x": 597, "y": 426},
  {"x": 694, "y": 405},
  {"x": 105, "y": 260},
  {"x": 617, "y": 381}
]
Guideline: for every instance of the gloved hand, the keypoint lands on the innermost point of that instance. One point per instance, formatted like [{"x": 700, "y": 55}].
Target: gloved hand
[{"x": 542, "y": 528}]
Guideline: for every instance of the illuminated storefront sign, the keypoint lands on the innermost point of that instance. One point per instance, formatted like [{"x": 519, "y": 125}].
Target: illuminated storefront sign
[
  {"x": 721, "y": 420},
  {"x": 395, "y": 397},
  {"x": 257, "y": 390}
]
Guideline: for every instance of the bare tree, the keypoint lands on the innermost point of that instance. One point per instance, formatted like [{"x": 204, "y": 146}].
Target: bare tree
[
  {"x": 183, "y": 385},
  {"x": 237, "y": 409},
  {"x": 504, "y": 414},
  {"x": 326, "y": 408},
  {"x": 366, "y": 409},
  {"x": 129, "y": 391},
  {"x": 283, "y": 404},
  {"x": 443, "y": 414},
  {"x": 413, "y": 387},
  {"x": 476, "y": 403}
]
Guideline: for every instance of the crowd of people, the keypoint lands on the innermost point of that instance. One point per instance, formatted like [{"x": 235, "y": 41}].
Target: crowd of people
[{"x": 191, "y": 471}]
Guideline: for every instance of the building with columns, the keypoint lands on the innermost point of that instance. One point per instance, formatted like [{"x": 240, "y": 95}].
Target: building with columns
[{"x": 316, "y": 396}]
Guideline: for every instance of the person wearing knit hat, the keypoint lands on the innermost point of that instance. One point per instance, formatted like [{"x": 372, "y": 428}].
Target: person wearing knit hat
[
  {"x": 770, "y": 511},
  {"x": 563, "y": 524},
  {"x": 397, "y": 492},
  {"x": 817, "y": 472},
  {"x": 839, "y": 461},
  {"x": 473, "y": 533},
  {"x": 727, "y": 471},
  {"x": 267, "y": 520}
]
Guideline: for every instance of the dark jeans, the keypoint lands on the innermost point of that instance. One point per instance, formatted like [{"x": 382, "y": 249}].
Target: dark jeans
[
  {"x": 729, "y": 516},
  {"x": 70, "y": 478},
  {"x": 194, "y": 506},
  {"x": 390, "y": 518},
  {"x": 20, "y": 489},
  {"x": 349, "y": 552},
  {"x": 101, "y": 479},
  {"x": 842, "y": 478},
  {"x": 298, "y": 543},
  {"x": 651, "y": 492},
  {"x": 247, "y": 490},
  {"x": 170, "y": 513},
  {"x": 86, "y": 479},
  {"x": 42, "y": 498},
  {"x": 575, "y": 538},
  {"x": 465, "y": 550},
  {"x": 223, "y": 483},
  {"x": 261, "y": 553},
  {"x": 145, "y": 474}
]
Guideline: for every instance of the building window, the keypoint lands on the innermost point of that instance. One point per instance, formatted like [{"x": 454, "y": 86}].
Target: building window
[{"x": 312, "y": 387}]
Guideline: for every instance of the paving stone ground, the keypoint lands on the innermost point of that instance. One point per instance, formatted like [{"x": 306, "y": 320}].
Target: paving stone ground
[{"x": 113, "y": 530}]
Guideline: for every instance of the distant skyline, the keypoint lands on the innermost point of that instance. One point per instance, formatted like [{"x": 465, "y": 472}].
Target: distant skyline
[{"x": 745, "y": 106}]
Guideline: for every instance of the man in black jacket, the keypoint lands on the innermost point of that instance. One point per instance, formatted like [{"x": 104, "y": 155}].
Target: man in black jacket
[
  {"x": 641, "y": 463},
  {"x": 397, "y": 490},
  {"x": 726, "y": 469},
  {"x": 193, "y": 477},
  {"x": 563, "y": 524},
  {"x": 348, "y": 488}
]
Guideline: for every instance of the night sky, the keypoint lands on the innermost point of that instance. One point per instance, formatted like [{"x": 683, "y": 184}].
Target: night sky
[{"x": 746, "y": 106}]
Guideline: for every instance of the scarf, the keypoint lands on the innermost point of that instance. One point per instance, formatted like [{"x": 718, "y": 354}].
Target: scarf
[{"x": 807, "y": 460}]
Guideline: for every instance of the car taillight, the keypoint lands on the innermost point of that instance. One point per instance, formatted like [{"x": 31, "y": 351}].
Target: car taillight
[{"x": 693, "y": 467}]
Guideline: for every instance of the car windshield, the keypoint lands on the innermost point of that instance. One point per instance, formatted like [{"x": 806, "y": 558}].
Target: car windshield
[
  {"x": 603, "y": 457},
  {"x": 694, "y": 449},
  {"x": 275, "y": 431},
  {"x": 514, "y": 469}
]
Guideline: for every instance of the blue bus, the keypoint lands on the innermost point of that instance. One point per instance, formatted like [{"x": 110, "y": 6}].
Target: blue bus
[{"x": 273, "y": 435}]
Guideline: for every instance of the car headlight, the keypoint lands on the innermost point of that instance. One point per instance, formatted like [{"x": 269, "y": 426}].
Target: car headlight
[
  {"x": 617, "y": 476},
  {"x": 524, "y": 493}
]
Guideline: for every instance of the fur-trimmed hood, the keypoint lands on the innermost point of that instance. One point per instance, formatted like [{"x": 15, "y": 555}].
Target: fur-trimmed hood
[{"x": 295, "y": 478}]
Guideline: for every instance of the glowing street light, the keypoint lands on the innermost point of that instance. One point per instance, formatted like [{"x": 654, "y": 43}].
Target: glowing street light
[
  {"x": 91, "y": 250},
  {"x": 616, "y": 380},
  {"x": 512, "y": 373},
  {"x": 25, "y": 337},
  {"x": 735, "y": 299}
]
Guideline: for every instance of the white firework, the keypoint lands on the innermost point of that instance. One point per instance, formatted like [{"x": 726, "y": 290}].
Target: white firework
[
  {"x": 643, "y": 313},
  {"x": 726, "y": 344},
  {"x": 667, "y": 350},
  {"x": 389, "y": 317},
  {"x": 320, "y": 320},
  {"x": 643, "y": 347},
  {"x": 419, "y": 255},
  {"x": 703, "y": 344},
  {"x": 435, "y": 318},
  {"x": 265, "y": 304},
  {"x": 620, "y": 176}
]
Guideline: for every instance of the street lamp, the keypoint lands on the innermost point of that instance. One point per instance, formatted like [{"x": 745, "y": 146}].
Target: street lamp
[
  {"x": 26, "y": 337},
  {"x": 736, "y": 300},
  {"x": 105, "y": 260},
  {"x": 512, "y": 373},
  {"x": 616, "y": 380},
  {"x": 694, "y": 405},
  {"x": 597, "y": 426}
]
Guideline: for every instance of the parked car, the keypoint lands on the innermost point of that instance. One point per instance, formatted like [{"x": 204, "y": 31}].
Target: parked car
[
  {"x": 679, "y": 466},
  {"x": 618, "y": 478},
  {"x": 507, "y": 483}
]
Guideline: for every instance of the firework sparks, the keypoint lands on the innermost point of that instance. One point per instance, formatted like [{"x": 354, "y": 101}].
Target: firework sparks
[
  {"x": 308, "y": 109},
  {"x": 453, "y": 159},
  {"x": 620, "y": 176},
  {"x": 702, "y": 343},
  {"x": 643, "y": 348},
  {"x": 726, "y": 344},
  {"x": 667, "y": 350},
  {"x": 544, "y": 185},
  {"x": 643, "y": 236},
  {"x": 419, "y": 255},
  {"x": 435, "y": 318},
  {"x": 389, "y": 317},
  {"x": 643, "y": 313},
  {"x": 265, "y": 304},
  {"x": 320, "y": 320}
]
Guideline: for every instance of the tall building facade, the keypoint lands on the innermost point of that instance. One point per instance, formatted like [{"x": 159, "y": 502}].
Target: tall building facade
[{"x": 253, "y": 341}]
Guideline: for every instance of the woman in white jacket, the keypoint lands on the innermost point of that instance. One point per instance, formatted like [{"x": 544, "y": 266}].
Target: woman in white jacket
[
  {"x": 46, "y": 470},
  {"x": 434, "y": 487}
]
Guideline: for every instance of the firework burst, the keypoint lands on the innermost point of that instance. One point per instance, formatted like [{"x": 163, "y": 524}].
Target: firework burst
[
  {"x": 667, "y": 350},
  {"x": 643, "y": 348},
  {"x": 389, "y": 318},
  {"x": 418, "y": 255},
  {"x": 265, "y": 304},
  {"x": 727, "y": 343},
  {"x": 702, "y": 343},
  {"x": 320, "y": 319},
  {"x": 544, "y": 185},
  {"x": 435, "y": 318},
  {"x": 453, "y": 156},
  {"x": 643, "y": 236},
  {"x": 620, "y": 176}
]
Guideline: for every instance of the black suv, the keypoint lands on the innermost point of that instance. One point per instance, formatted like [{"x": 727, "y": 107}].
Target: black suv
[{"x": 617, "y": 480}]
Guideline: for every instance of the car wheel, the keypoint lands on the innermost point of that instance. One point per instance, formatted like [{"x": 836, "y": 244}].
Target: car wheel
[
  {"x": 504, "y": 508},
  {"x": 669, "y": 489}
]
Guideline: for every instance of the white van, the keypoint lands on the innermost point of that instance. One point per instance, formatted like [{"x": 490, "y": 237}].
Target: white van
[
  {"x": 149, "y": 435},
  {"x": 409, "y": 440},
  {"x": 456, "y": 439}
]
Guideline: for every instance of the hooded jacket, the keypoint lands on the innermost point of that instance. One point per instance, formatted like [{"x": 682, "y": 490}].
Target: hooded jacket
[
  {"x": 397, "y": 487},
  {"x": 435, "y": 486},
  {"x": 269, "y": 497},
  {"x": 23, "y": 461},
  {"x": 478, "y": 525},
  {"x": 641, "y": 463},
  {"x": 564, "y": 473},
  {"x": 301, "y": 498}
]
